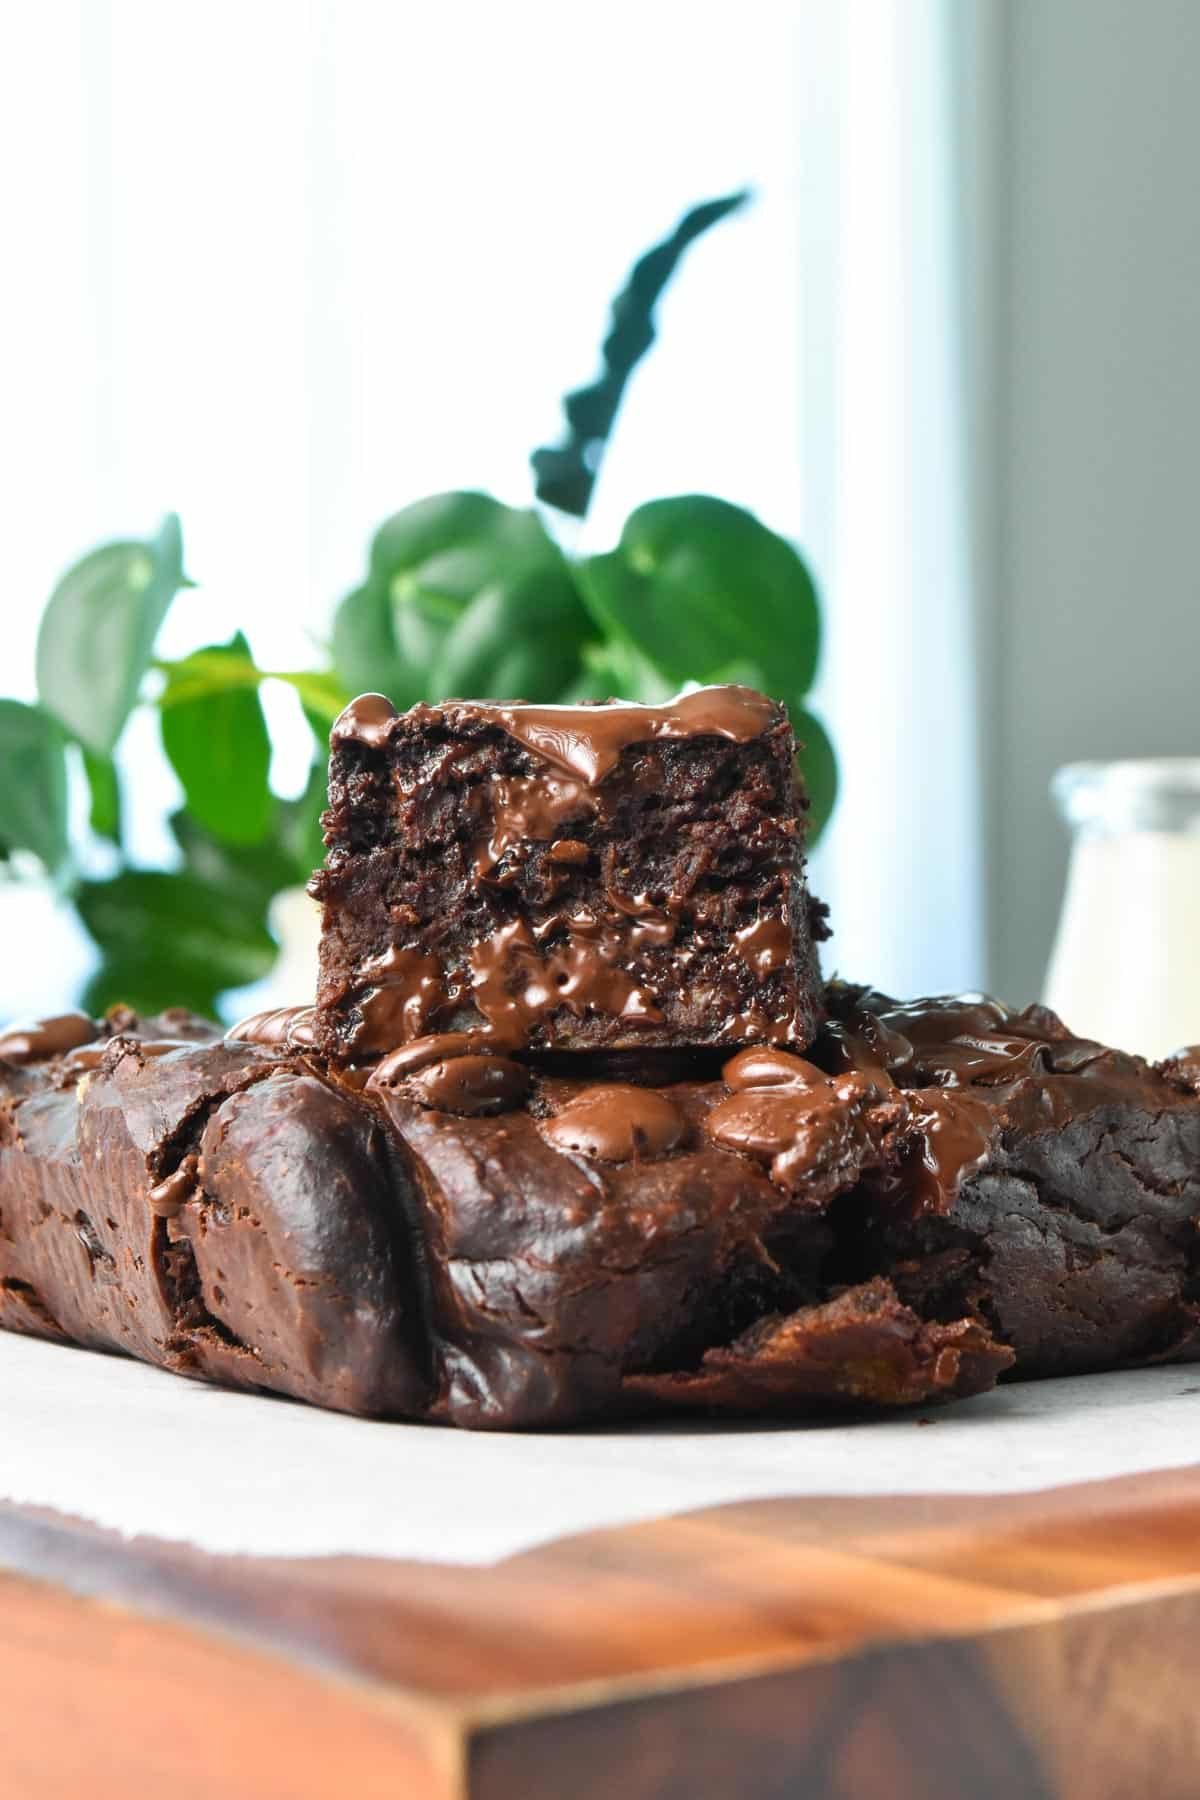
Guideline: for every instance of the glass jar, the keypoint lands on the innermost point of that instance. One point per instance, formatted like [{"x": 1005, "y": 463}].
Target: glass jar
[{"x": 1125, "y": 967}]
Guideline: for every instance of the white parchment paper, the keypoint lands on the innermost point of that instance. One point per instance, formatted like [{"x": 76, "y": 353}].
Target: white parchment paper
[{"x": 143, "y": 1452}]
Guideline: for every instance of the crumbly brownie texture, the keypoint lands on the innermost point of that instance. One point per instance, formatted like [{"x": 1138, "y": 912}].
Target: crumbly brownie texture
[
  {"x": 1050, "y": 1188},
  {"x": 592, "y": 877},
  {"x": 491, "y": 1240}
]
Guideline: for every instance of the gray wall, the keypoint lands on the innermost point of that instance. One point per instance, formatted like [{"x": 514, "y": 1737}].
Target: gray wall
[{"x": 1083, "y": 223}]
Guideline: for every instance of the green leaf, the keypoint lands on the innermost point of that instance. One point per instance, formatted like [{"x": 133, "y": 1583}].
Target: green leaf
[
  {"x": 697, "y": 584},
  {"x": 428, "y": 564},
  {"x": 251, "y": 875},
  {"x": 172, "y": 938},
  {"x": 150, "y": 986},
  {"x": 98, "y": 630},
  {"x": 521, "y": 638},
  {"x": 363, "y": 642},
  {"x": 220, "y": 749},
  {"x": 818, "y": 766},
  {"x": 300, "y": 825},
  {"x": 104, "y": 788},
  {"x": 33, "y": 783},
  {"x": 615, "y": 670},
  {"x": 565, "y": 474}
]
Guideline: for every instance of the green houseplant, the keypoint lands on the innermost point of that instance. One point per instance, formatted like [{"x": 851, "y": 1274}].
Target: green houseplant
[{"x": 460, "y": 595}]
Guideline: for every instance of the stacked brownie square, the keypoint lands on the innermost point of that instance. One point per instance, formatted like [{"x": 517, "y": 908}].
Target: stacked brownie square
[{"x": 574, "y": 1131}]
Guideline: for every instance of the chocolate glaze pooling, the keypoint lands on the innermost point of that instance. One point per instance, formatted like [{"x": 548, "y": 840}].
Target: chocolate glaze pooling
[{"x": 617, "y": 1123}]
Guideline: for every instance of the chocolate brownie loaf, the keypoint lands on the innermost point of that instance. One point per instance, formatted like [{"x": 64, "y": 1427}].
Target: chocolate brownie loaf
[
  {"x": 490, "y": 1240},
  {"x": 588, "y": 877},
  {"x": 1050, "y": 1189},
  {"x": 520, "y": 1247}
]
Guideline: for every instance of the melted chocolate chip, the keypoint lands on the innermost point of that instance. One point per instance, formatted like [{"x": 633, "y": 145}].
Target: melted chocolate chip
[
  {"x": 286, "y": 1027},
  {"x": 408, "y": 991},
  {"x": 527, "y": 810},
  {"x": 816, "y": 1135},
  {"x": 765, "y": 946},
  {"x": 47, "y": 1037},
  {"x": 617, "y": 1123},
  {"x": 439, "y": 1046},
  {"x": 471, "y": 1085},
  {"x": 764, "y": 1066},
  {"x": 516, "y": 985}
]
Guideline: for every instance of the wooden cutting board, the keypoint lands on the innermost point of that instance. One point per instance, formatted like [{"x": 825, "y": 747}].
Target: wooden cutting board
[{"x": 1039, "y": 1645}]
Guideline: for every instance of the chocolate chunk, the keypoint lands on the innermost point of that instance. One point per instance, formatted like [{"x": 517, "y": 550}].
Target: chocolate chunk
[
  {"x": 471, "y": 1084},
  {"x": 617, "y": 1122},
  {"x": 47, "y": 1037}
]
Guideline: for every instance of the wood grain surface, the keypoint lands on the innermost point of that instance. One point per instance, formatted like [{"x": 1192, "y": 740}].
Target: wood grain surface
[{"x": 1043, "y": 1645}]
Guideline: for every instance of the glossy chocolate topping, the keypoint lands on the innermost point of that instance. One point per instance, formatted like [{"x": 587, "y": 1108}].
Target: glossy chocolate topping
[
  {"x": 585, "y": 741},
  {"x": 527, "y": 810},
  {"x": 971, "y": 1068},
  {"x": 762, "y": 1065},
  {"x": 816, "y": 1132},
  {"x": 439, "y": 1046},
  {"x": 470, "y": 1085},
  {"x": 167, "y": 1199},
  {"x": 367, "y": 720},
  {"x": 765, "y": 946},
  {"x": 47, "y": 1037},
  {"x": 516, "y": 985},
  {"x": 287, "y": 1027},
  {"x": 617, "y": 1123},
  {"x": 408, "y": 992}
]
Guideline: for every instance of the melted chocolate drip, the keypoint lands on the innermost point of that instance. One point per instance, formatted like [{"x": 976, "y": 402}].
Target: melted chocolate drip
[{"x": 168, "y": 1198}]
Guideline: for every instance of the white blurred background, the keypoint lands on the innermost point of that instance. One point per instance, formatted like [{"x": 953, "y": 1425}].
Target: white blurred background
[{"x": 285, "y": 265}]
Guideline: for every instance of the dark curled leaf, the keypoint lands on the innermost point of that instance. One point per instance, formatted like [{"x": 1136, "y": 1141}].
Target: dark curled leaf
[
  {"x": 219, "y": 747},
  {"x": 565, "y": 474},
  {"x": 33, "y": 783},
  {"x": 98, "y": 630}
]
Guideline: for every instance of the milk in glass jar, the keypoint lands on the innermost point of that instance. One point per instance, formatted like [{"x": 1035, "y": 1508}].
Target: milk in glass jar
[{"x": 1126, "y": 961}]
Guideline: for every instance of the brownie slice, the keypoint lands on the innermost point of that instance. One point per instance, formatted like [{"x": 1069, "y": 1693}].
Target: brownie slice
[
  {"x": 1051, "y": 1188},
  {"x": 592, "y": 877}
]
